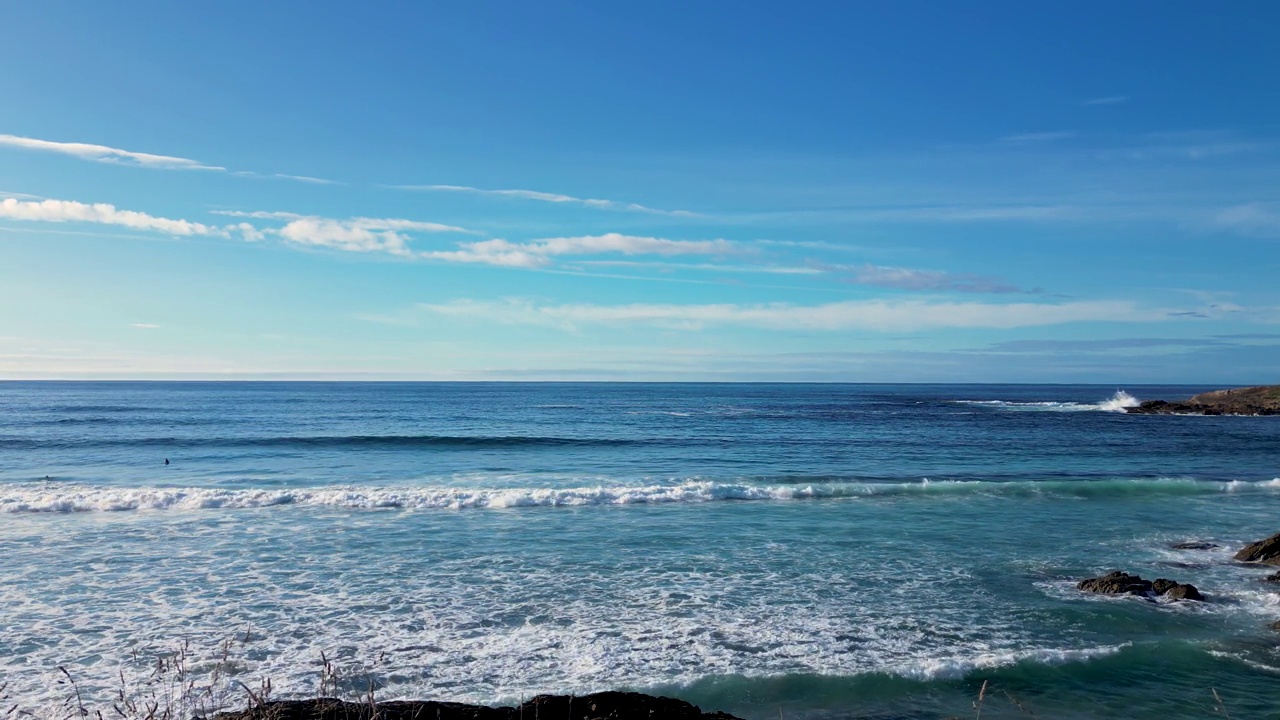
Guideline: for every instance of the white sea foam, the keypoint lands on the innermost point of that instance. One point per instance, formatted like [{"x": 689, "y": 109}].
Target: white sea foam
[
  {"x": 488, "y": 621},
  {"x": 1116, "y": 403},
  {"x": 66, "y": 498},
  {"x": 949, "y": 668},
  {"x": 1244, "y": 658},
  {"x": 88, "y": 498}
]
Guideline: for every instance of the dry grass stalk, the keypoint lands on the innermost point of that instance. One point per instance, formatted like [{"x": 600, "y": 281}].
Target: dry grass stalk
[
  {"x": 977, "y": 705},
  {"x": 1017, "y": 704},
  {"x": 1222, "y": 708}
]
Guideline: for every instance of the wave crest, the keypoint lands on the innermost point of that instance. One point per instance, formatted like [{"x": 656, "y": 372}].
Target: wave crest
[
  {"x": 1116, "y": 403},
  {"x": 61, "y": 498}
]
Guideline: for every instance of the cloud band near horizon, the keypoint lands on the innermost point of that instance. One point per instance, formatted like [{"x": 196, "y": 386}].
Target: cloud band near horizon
[{"x": 869, "y": 315}]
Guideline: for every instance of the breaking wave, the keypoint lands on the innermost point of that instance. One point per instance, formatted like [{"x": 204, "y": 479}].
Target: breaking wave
[
  {"x": 61, "y": 498},
  {"x": 1116, "y": 403}
]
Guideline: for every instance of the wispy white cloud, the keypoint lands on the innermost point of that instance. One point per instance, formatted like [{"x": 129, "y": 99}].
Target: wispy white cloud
[
  {"x": 901, "y": 278},
  {"x": 538, "y": 253},
  {"x": 549, "y": 197},
  {"x": 711, "y": 267},
  {"x": 19, "y": 196},
  {"x": 144, "y": 326},
  {"x": 1037, "y": 137},
  {"x": 1117, "y": 344},
  {"x": 872, "y": 315},
  {"x": 260, "y": 214},
  {"x": 100, "y": 213},
  {"x": 103, "y": 153},
  {"x": 306, "y": 179},
  {"x": 1183, "y": 146},
  {"x": 1108, "y": 100},
  {"x": 359, "y": 234},
  {"x": 1260, "y": 219},
  {"x": 918, "y": 214},
  {"x": 107, "y": 154}
]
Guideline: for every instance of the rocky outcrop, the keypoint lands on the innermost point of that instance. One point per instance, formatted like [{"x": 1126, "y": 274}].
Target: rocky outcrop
[
  {"x": 1116, "y": 583},
  {"x": 1264, "y": 551},
  {"x": 1183, "y": 591},
  {"x": 1122, "y": 583},
  {"x": 1261, "y": 400},
  {"x": 600, "y": 706},
  {"x": 1272, "y": 578}
]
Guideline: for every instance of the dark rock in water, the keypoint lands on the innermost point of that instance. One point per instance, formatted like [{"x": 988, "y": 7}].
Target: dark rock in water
[
  {"x": 1122, "y": 583},
  {"x": 1183, "y": 565},
  {"x": 1264, "y": 551},
  {"x": 1272, "y": 578},
  {"x": 1193, "y": 546},
  {"x": 1275, "y": 626},
  {"x": 332, "y": 709},
  {"x": 1160, "y": 407},
  {"x": 1262, "y": 400},
  {"x": 1116, "y": 583},
  {"x": 600, "y": 706},
  {"x": 615, "y": 706},
  {"x": 1183, "y": 591}
]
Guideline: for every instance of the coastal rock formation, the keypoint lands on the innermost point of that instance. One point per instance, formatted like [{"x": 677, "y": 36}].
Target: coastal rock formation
[
  {"x": 1116, "y": 583},
  {"x": 1122, "y": 583},
  {"x": 1264, "y": 551},
  {"x": 1261, "y": 400},
  {"x": 1183, "y": 591},
  {"x": 600, "y": 706}
]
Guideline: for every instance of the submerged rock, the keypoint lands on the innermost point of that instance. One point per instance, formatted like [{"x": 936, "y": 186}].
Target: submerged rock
[
  {"x": 599, "y": 706},
  {"x": 1272, "y": 578},
  {"x": 1194, "y": 546},
  {"x": 1122, "y": 583},
  {"x": 1183, "y": 565},
  {"x": 1264, "y": 551}
]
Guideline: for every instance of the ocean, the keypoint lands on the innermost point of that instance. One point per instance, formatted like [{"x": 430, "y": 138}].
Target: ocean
[{"x": 809, "y": 551}]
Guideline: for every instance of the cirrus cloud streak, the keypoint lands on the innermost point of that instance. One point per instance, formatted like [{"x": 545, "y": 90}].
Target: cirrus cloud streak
[
  {"x": 538, "y": 253},
  {"x": 869, "y": 315},
  {"x": 548, "y": 197},
  {"x": 103, "y": 153}
]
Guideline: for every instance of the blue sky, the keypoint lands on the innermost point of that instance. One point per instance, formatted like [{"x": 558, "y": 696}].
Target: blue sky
[{"x": 878, "y": 192}]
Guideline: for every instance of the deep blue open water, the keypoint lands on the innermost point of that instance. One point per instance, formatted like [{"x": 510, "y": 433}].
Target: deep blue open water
[{"x": 831, "y": 551}]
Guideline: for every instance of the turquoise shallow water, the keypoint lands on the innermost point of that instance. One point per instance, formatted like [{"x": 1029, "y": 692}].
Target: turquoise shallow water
[{"x": 824, "y": 550}]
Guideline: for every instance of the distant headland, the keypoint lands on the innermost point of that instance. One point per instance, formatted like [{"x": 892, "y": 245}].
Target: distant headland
[{"x": 1260, "y": 400}]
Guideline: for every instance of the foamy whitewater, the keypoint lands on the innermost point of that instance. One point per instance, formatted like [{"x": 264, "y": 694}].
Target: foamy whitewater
[
  {"x": 1116, "y": 403},
  {"x": 824, "y": 550}
]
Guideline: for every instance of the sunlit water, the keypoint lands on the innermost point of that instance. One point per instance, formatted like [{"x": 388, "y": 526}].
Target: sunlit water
[{"x": 823, "y": 550}]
